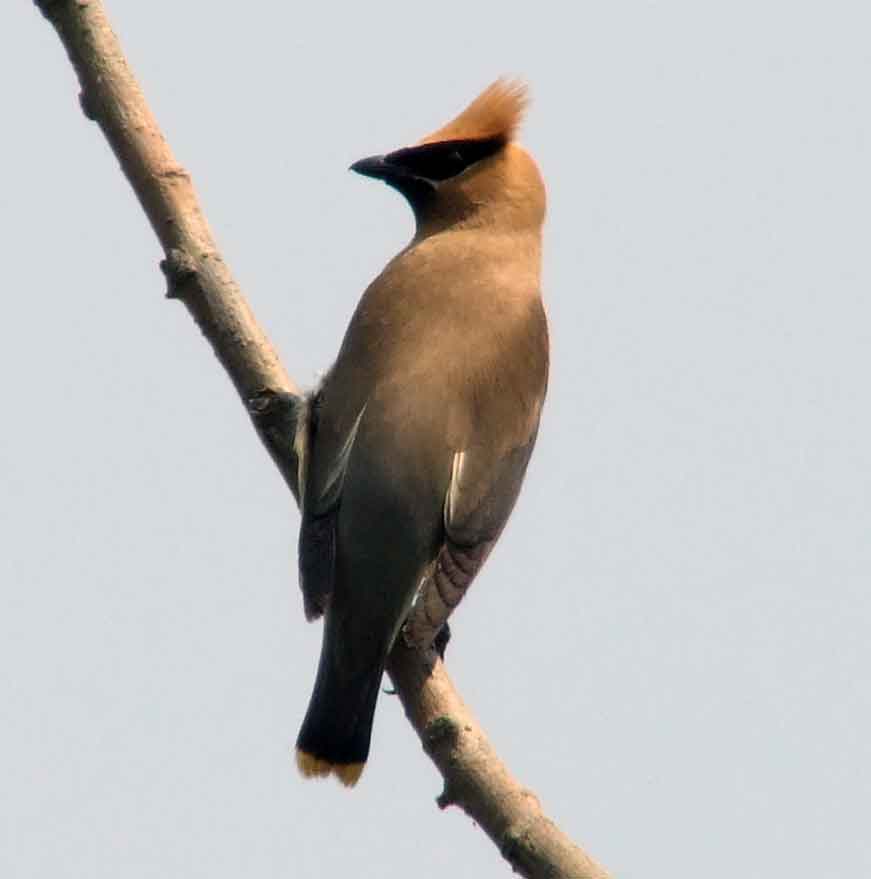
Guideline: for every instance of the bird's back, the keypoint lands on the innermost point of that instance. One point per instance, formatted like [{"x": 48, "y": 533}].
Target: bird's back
[{"x": 450, "y": 341}]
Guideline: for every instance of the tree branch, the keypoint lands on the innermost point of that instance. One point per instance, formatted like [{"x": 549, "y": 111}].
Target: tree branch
[
  {"x": 475, "y": 778},
  {"x": 195, "y": 272}
]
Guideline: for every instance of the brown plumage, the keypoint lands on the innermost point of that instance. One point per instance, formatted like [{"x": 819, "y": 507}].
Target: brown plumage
[{"x": 417, "y": 440}]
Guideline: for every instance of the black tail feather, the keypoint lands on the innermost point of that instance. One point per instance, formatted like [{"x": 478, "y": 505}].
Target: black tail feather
[{"x": 337, "y": 729}]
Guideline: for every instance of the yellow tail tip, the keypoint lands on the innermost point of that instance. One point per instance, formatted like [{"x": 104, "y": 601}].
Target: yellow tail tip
[{"x": 314, "y": 767}]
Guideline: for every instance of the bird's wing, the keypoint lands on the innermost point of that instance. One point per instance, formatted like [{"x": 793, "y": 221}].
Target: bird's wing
[
  {"x": 479, "y": 501},
  {"x": 321, "y": 494}
]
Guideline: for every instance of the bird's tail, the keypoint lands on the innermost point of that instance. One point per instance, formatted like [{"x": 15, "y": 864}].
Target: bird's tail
[{"x": 337, "y": 729}]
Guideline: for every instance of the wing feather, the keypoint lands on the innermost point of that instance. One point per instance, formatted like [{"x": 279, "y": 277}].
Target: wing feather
[{"x": 479, "y": 501}]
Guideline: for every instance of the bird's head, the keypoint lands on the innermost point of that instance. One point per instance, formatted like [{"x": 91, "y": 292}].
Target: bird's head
[{"x": 470, "y": 171}]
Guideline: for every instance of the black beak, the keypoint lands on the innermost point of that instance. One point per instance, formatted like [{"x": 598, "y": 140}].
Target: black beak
[
  {"x": 396, "y": 173},
  {"x": 375, "y": 166}
]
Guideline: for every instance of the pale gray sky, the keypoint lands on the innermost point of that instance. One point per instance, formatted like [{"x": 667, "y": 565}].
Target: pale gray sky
[{"x": 670, "y": 645}]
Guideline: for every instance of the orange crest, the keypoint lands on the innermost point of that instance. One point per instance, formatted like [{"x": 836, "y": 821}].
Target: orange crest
[{"x": 496, "y": 113}]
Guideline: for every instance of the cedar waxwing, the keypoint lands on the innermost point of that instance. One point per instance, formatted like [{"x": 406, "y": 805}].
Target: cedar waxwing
[{"x": 413, "y": 449}]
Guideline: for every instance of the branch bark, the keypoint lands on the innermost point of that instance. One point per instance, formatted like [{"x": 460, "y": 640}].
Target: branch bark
[
  {"x": 475, "y": 778},
  {"x": 195, "y": 272}
]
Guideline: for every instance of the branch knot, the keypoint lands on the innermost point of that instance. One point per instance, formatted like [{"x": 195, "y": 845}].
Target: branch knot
[
  {"x": 442, "y": 731},
  {"x": 180, "y": 269}
]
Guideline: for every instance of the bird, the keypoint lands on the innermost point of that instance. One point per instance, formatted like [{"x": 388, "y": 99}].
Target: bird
[{"x": 413, "y": 447}]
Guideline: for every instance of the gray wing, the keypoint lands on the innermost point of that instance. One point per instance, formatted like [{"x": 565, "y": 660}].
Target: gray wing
[
  {"x": 322, "y": 474},
  {"x": 480, "y": 499}
]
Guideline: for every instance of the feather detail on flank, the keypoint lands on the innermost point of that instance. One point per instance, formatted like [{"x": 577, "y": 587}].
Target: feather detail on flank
[
  {"x": 496, "y": 113},
  {"x": 453, "y": 491},
  {"x": 336, "y": 474}
]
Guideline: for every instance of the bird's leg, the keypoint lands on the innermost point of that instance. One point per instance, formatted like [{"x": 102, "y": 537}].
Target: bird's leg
[{"x": 441, "y": 640}]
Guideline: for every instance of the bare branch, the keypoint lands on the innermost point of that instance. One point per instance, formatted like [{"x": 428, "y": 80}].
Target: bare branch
[
  {"x": 475, "y": 778},
  {"x": 195, "y": 271}
]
